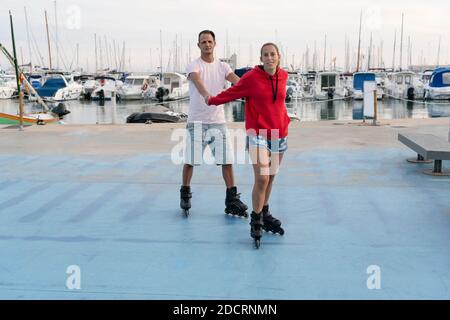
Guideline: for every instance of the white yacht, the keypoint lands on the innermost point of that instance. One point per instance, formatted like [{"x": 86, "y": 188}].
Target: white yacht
[
  {"x": 103, "y": 87},
  {"x": 328, "y": 86},
  {"x": 8, "y": 86},
  {"x": 59, "y": 88},
  {"x": 404, "y": 85},
  {"x": 138, "y": 87},
  {"x": 438, "y": 88},
  {"x": 174, "y": 86}
]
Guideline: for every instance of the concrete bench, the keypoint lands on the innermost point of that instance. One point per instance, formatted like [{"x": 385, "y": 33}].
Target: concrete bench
[{"x": 428, "y": 147}]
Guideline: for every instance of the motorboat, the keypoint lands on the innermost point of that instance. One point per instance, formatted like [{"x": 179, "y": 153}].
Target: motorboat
[
  {"x": 138, "y": 87},
  {"x": 104, "y": 87},
  {"x": 328, "y": 86},
  {"x": 404, "y": 85},
  {"x": 8, "y": 86},
  {"x": 174, "y": 86},
  {"x": 57, "y": 88},
  {"x": 357, "y": 89},
  {"x": 438, "y": 87},
  {"x": 294, "y": 90}
]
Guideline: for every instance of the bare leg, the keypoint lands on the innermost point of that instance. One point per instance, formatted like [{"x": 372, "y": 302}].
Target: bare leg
[
  {"x": 188, "y": 171},
  {"x": 274, "y": 166},
  {"x": 261, "y": 170},
  {"x": 228, "y": 175}
]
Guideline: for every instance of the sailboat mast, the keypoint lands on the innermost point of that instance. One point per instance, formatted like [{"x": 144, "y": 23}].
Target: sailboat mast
[
  {"x": 48, "y": 41},
  {"x": 401, "y": 46},
  {"x": 370, "y": 57},
  {"x": 439, "y": 52},
  {"x": 101, "y": 52},
  {"x": 107, "y": 52},
  {"x": 359, "y": 43},
  {"x": 115, "y": 54},
  {"x": 393, "y": 56},
  {"x": 28, "y": 39},
  {"x": 56, "y": 37},
  {"x": 95, "y": 40},
  {"x": 325, "y": 53},
  {"x": 160, "y": 54}
]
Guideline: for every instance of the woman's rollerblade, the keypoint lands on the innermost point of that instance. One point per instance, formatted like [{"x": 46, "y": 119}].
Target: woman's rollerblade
[
  {"x": 256, "y": 225},
  {"x": 185, "y": 199},
  {"x": 233, "y": 204},
  {"x": 270, "y": 223}
]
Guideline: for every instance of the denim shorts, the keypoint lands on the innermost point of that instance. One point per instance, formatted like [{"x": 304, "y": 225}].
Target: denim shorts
[
  {"x": 274, "y": 146},
  {"x": 215, "y": 137}
]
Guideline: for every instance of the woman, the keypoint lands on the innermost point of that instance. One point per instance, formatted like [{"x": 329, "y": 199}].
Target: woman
[{"x": 266, "y": 122}]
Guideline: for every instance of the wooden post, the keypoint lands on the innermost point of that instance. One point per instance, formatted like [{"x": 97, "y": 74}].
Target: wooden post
[
  {"x": 375, "y": 109},
  {"x": 114, "y": 107}
]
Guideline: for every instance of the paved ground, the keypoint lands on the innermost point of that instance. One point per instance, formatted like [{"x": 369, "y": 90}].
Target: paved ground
[{"x": 105, "y": 199}]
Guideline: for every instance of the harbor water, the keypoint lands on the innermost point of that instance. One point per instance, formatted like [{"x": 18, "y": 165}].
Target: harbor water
[{"x": 92, "y": 112}]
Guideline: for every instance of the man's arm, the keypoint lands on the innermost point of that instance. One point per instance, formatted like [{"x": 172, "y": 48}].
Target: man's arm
[
  {"x": 232, "y": 77},
  {"x": 197, "y": 80}
]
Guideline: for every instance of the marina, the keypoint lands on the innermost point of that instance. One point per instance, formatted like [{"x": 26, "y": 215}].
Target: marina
[{"x": 90, "y": 112}]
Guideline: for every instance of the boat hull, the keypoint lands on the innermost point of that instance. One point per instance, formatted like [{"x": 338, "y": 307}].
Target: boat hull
[{"x": 11, "y": 119}]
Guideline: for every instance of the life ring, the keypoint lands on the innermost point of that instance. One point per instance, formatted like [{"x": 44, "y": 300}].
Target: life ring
[{"x": 145, "y": 86}]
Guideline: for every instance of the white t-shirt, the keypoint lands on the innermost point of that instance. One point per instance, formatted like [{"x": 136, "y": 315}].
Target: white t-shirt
[{"x": 213, "y": 76}]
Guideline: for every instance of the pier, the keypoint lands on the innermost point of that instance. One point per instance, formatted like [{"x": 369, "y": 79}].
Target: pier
[{"x": 103, "y": 200}]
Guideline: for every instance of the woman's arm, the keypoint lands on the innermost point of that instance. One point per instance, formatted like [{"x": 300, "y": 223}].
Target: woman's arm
[{"x": 239, "y": 90}]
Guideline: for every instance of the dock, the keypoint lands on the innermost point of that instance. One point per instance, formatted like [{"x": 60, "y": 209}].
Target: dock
[{"x": 104, "y": 200}]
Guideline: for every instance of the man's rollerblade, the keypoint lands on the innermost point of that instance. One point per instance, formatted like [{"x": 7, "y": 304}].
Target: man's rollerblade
[
  {"x": 234, "y": 205},
  {"x": 256, "y": 225},
  {"x": 270, "y": 223},
  {"x": 185, "y": 199}
]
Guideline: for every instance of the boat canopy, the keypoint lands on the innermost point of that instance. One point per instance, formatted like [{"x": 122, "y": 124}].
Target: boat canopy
[
  {"x": 51, "y": 86},
  {"x": 105, "y": 77},
  {"x": 359, "y": 78},
  {"x": 440, "y": 78}
]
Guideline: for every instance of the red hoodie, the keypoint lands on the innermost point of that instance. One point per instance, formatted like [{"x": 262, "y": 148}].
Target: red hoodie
[{"x": 264, "y": 100}]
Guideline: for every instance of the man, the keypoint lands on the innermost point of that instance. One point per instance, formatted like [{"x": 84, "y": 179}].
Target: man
[{"x": 208, "y": 76}]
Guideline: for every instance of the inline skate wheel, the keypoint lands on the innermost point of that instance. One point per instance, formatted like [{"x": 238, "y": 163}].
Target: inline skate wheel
[{"x": 257, "y": 243}]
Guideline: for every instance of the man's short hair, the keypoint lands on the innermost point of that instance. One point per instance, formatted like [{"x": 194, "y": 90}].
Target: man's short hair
[{"x": 207, "y": 32}]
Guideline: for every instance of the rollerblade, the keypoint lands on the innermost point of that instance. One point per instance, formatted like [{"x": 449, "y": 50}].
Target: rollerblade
[
  {"x": 256, "y": 225},
  {"x": 270, "y": 223},
  {"x": 185, "y": 199},
  {"x": 233, "y": 204}
]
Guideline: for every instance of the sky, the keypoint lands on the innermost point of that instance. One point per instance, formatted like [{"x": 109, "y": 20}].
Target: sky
[{"x": 294, "y": 25}]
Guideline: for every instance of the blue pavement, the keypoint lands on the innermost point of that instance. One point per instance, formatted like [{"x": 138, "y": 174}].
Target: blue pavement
[{"x": 118, "y": 220}]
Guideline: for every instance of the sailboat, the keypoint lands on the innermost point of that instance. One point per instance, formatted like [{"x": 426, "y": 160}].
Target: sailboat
[{"x": 28, "y": 119}]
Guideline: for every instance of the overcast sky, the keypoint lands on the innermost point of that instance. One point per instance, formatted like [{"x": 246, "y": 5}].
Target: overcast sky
[{"x": 293, "y": 24}]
